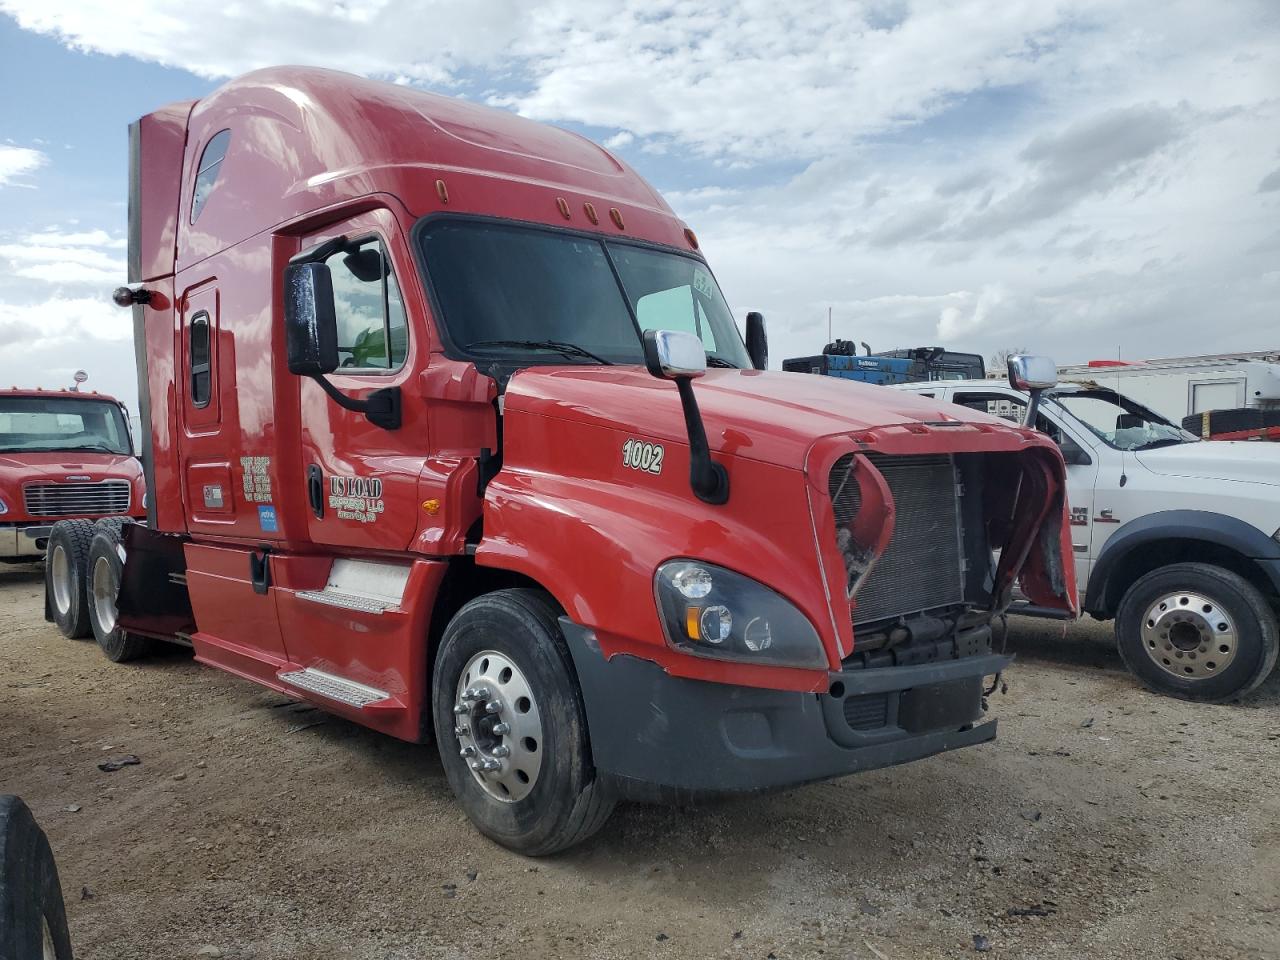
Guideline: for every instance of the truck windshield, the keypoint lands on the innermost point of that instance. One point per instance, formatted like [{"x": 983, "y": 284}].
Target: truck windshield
[
  {"x": 38, "y": 424},
  {"x": 1120, "y": 422},
  {"x": 506, "y": 290}
]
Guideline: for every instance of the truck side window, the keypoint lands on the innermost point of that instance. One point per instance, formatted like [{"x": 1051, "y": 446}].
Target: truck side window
[
  {"x": 201, "y": 369},
  {"x": 373, "y": 331},
  {"x": 207, "y": 170},
  {"x": 675, "y": 309},
  {"x": 1006, "y": 408}
]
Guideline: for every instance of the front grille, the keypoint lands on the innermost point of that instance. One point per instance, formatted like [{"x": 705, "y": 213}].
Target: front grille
[
  {"x": 76, "y": 499},
  {"x": 922, "y": 567},
  {"x": 870, "y": 712}
]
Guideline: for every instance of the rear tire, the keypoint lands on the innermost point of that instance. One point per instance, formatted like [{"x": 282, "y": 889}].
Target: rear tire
[
  {"x": 103, "y": 587},
  {"x": 33, "y": 918},
  {"x": 562, "y": 801},
  {"x": 65, "y": 564},
  {"x": 1197, "y": 632}
]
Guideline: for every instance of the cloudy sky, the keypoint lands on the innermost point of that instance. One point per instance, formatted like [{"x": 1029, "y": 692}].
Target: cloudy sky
[{"x": 1077, "y": 178}]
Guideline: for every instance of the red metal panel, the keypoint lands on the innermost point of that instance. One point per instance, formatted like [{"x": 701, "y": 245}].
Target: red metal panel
[{"x": 153, "y": 196}]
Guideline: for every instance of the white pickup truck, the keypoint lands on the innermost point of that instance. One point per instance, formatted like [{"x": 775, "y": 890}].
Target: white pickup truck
[{"x": 1176, "y": 539}]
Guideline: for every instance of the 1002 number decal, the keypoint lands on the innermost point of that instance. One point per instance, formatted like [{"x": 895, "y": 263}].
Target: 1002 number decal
[{"x": 643, "y": 456}]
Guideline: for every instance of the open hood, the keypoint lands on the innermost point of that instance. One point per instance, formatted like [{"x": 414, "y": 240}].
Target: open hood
[
  {"x": 1239, "y": 460},
  {"x": 761, "y": 415}
]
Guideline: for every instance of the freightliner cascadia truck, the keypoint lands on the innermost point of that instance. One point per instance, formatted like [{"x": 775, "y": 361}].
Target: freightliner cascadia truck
[
  {"x": 63, "y": 453},
  {"x": 451, "y": 433}
]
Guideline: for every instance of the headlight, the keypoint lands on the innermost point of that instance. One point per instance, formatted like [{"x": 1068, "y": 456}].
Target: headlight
[{"x": 713, "y": 612}]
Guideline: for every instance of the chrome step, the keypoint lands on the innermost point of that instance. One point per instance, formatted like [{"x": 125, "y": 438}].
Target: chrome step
[
  {"x": 333, "y": 688},
  {"x": 349, "y": 601}
]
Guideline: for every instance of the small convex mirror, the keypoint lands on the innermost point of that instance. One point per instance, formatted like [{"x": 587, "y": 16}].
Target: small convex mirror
[
  {"x": 311, "y": 325},
  {"x": 674, "y": 356},
  {"x": 1032, "y": 373}
]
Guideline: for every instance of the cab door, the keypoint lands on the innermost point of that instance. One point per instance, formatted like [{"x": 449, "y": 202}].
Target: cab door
[{"x": 361, "y": 479}]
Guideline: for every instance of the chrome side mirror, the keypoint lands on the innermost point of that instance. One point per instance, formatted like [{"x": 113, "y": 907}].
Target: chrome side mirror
[
  {"x": 673, "y": 356},
  {"x": 1032, "y": 373}
]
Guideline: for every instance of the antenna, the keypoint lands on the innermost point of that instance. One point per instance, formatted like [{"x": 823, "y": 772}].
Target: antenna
[{"x": 828, "y": 324}]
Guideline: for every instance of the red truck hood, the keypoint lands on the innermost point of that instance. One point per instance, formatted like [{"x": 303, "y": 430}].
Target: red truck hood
[
  {"x": 761, "y": 415},
  {"x": 61, "y": 464}
]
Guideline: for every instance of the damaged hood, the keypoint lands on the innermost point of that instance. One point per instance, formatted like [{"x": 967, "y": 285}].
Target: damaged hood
[{"x": 761, "y": 415}]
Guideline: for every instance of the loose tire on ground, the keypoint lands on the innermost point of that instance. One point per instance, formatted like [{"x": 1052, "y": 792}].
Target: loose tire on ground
[
  {"x": 65, "y": 562},
  {"x": 33, "y": 918},
  {"x": 1197, "y": 632},
  {"x": 566, "y": 802},
  {"x": 104, "y": 567}
]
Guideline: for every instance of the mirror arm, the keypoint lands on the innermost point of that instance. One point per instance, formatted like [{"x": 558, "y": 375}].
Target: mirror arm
[
  {"x": 381, "y": 407},
  {"x": 710, "y": 480},
  {"x": 1033, "y": 408}
]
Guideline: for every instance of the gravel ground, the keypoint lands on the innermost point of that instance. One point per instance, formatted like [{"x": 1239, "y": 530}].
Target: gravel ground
[{"x": 1105, "y": 822}]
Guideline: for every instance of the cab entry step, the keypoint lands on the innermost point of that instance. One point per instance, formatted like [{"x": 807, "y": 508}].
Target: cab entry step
[
  {"x": 333, "y": 688},
  {"x": 362, "y": 585}
]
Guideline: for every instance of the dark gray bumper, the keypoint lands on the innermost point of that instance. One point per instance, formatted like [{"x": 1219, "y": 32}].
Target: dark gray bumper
[{"x": 651, "y": 729}]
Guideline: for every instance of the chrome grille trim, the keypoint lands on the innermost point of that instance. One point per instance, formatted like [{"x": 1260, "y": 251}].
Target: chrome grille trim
[
  {"x": 76, "y": 499},
  {"x": 922, "y": 568}
]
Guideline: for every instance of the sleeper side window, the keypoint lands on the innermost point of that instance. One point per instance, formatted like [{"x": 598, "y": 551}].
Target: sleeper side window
[
  {"x": 373, "y": 330},
  {"x": 207, "y": 170},
  {"x": 201, "y": 369}
]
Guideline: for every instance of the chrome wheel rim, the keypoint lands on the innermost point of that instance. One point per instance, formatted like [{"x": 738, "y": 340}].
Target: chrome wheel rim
[
  {"x": 498, "y": 726},
  {"x": 104, "y": 594},
  {"x": 1189, "y": 636},
  {"x": 60, "y": 566}
]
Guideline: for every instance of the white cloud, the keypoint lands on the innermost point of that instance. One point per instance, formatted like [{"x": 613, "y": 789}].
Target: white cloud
[
  {"x": 17, "y": 162},
  {"x": 1072, "y": 176}
]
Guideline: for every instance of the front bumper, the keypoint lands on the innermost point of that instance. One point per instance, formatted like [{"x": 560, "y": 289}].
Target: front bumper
[
  {"x": 22, "y": 541},
  {"x": 651, "y": 730}
]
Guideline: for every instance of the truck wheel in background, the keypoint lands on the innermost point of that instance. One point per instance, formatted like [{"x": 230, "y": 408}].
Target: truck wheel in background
[
  {"x": 1198, "y": 632},
  {"x": 65, "y": 562},
  {"x": 510, "y": 725},
  {"x": 104, "y": 566},
  {"x": 33, "y": 918}
]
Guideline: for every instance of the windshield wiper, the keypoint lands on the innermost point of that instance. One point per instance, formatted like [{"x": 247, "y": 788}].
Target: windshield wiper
[
  {"x": 1162, "y": 442},
  {"x": 714, "y": 361},
  {"x": 559, "y": 346}
]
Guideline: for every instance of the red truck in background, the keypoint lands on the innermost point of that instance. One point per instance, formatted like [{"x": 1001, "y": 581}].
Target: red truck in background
[
  {"x": 63, "y": 453},
  {"x": 451, "y": 433}
]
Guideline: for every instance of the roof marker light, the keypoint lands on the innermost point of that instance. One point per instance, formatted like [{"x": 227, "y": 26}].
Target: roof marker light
[
  {"x": 563, "y": 204},
  {"x": 591, "y": 212},
  {"x": 442, "y": 191},
  {"x": 616, "y": 215},
  {"x": 691, "y": 237}
]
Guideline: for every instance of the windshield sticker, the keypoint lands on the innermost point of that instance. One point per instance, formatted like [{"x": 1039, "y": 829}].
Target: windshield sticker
[
  {"x": 703, "y": 283},
  {"x": 356, "y": 498},
  {"x": 643, "y": 456},
  {"x": 257, "y": 479}
]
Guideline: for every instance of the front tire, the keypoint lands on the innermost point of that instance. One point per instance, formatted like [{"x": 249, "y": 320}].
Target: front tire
[
  {"x": 104, "y": 567},
  {"x": 33, "y": 918},
  {"x": 510, "y": 725},
  {"x": 1197, "y": 632},
  {"x": 65, "y": 562}
]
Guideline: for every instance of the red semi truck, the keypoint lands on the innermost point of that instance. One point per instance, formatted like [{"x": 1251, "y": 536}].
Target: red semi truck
[
  {"x": 63, "y": 453},
  {"x": 452, "y": 433}
]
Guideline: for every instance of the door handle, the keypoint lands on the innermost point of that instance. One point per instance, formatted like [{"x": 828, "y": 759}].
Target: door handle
[
  {"x": 260, "y": 571},
  {"x": 315, "y": 490}
]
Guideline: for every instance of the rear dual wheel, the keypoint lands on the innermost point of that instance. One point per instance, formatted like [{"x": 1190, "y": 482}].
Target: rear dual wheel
[
  {"x": 511, "y": 728},
  {"x": 105, "y": 564}
]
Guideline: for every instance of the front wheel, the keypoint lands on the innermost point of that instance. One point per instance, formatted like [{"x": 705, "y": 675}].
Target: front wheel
[
  {"x": 1197, "y": 632},
  {"x": 510, "y": 725}
]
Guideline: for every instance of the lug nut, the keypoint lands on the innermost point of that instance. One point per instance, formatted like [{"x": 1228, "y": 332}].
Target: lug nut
[
  {"x": 469, "y": 693},
  {"x": 492, "y": 765},
  {"x": 501, "y": 751},
  {"x": 477, "y": 766},
  {"x": 501, "y": 728},
  {"x": 467, "y": 751},
  {"x": 460, "y": 731},
  {"x": 460, "y": 708},
  {"x": 482, "y": 693},
  {"x": 493, "y": 706}
]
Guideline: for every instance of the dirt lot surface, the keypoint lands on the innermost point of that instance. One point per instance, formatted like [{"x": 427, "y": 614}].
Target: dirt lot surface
[{"x": 1118, "y": 823}]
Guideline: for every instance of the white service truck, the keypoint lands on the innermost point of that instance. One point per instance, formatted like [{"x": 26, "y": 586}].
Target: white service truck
[{"x": 1176, "y": 539}]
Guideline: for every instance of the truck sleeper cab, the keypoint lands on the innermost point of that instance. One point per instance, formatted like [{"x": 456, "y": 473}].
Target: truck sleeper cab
[{"x": 454, "y": 435}]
